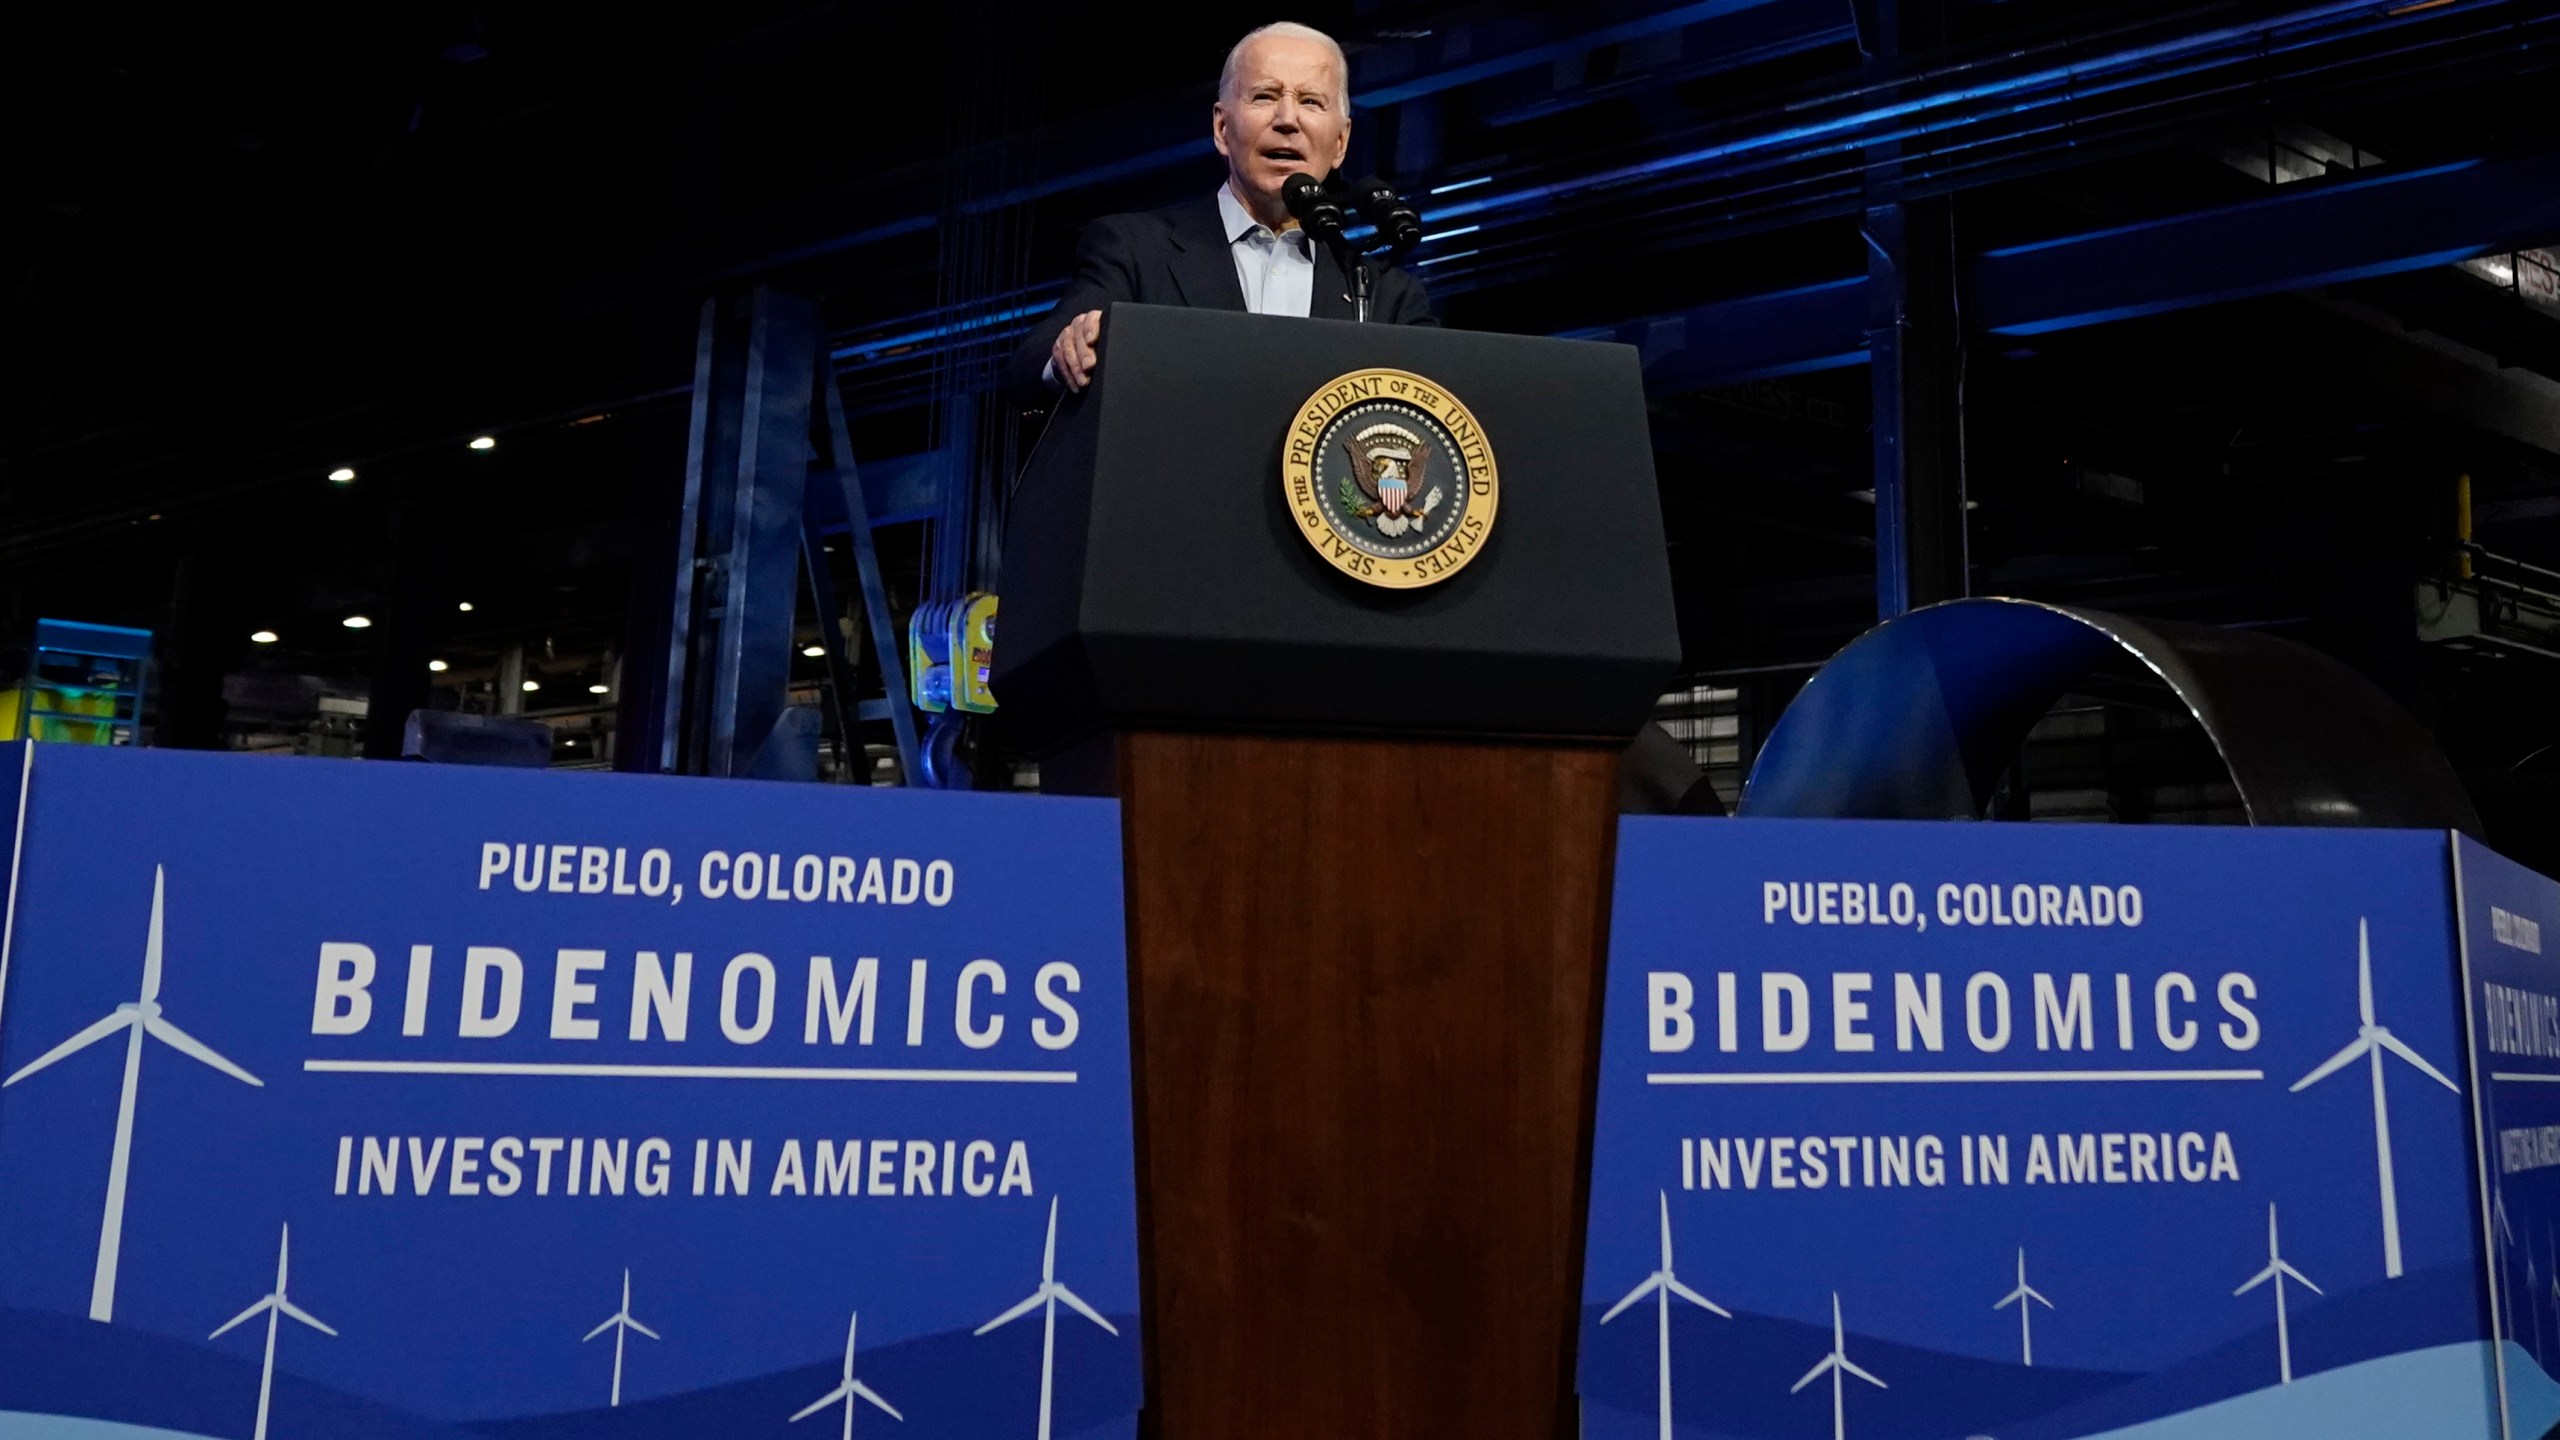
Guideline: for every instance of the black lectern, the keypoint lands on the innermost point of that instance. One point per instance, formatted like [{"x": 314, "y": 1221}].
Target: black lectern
[{"x": 1367, "y": 834}]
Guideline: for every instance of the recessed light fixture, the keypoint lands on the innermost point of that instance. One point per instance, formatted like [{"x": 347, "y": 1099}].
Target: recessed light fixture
[
  {"x": 343, "y": 475},
  {"x": 599, "y": 689},
  {"x": 263, "y": 637},
  {"x": 464, "y": 607},
  {"x": 532, "y": 685},
  {"x": 813, "y": 651},
  {"x": 438, "y": 666},
  {"x": 358, "y": 622},
  {"x": 484, "y": 442}
]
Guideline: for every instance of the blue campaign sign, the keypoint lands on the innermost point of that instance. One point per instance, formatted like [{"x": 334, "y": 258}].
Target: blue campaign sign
[
  {"x": 412, "y": 1101},
  {"x": 2035, "y": 1133},
  {"x": 2512, "y": 978}
]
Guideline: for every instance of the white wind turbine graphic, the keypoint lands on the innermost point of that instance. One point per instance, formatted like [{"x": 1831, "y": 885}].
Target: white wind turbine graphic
[
  {"x": 137, "y": 1018},
  {"x": 2277, "y": 1270},
  {"x": 2533, "y": 1299},
  {"x": 2536, "y": 1300},
  {"x": 2026, "y": 1297},
  {"x": 274, "y": 1304},
  {"x": 2506, "y": 1238},
  {"x": 1662, "y": 1285},
  {"x": 621, "y": 1324},
  {"x": 1840, "y": 1366},
  {"x": 1046, "y": 1298},
  {"x": 851, "y": 1390},
  {"x": 2371, "y": 1041}
]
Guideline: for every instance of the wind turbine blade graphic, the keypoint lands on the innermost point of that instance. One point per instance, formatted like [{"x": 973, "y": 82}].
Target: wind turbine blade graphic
[
  {"x": 194, "y": 1049},
  {"x": 258, "y": 1309},
  {"x": 2299, "y": 1278},
  {"x": 2354, "y": 1051},
  {"x": 1816, "y": 1373},
  {"x": 1038, "y": 1297},
  {"x": 1651, "y": 1283},
  {"x": 1694, "y": 1298},
  {"x": 114, "y": 1022},
  {"x": 609, "y": 1323},
  {"x": 1076, "y": 1303},
  {"x": 2261, "y": 1278},
  {"x": 151, "y": 946},
  {"x": 2393, "y": 1044},
  {"x": 2364, "y": 970},
  {"x": 1850, "y": 1367},
  {"x": 866, "y": 1393},
  {"x": 643, "y": 1329},
  {"x": 305, "y": 1316},
  {"x": 841, "y": 1392}
]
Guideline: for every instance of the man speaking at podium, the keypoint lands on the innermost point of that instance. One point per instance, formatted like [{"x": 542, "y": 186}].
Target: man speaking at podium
[{"x": 1283, "y": 109}]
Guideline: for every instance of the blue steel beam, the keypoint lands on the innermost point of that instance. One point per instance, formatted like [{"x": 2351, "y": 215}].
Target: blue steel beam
[
  {"x": 1394, "y": 74},
  {"x": 2295, "y": 237},
  {"x": 1382, "y": 76}
]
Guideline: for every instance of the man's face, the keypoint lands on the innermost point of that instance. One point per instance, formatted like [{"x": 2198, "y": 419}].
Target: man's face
[{"x": 1284, "y": 117}]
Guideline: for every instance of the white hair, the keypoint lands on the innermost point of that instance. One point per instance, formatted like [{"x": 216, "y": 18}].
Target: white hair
[{"x": 1285, "y": 30}]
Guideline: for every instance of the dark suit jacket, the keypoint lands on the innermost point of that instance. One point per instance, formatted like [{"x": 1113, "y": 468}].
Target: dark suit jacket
[{"x": 1181, "y": 256}]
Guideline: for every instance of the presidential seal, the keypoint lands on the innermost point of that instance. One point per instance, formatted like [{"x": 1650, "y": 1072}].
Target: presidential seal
[{"x": 1390, "y": 479}]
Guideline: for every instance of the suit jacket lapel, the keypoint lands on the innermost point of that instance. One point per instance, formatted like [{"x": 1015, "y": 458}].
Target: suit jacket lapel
[
  {"x": 1204, "y": 269},
  {"x": 1331, "y": 298}
]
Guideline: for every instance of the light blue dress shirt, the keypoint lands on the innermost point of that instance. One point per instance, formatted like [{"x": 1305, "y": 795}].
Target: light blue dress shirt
[{"x": 1277, "y": 271}]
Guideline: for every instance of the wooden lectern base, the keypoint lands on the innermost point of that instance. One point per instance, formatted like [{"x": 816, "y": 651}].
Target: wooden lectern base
[{"x": 1366, "y": 978}]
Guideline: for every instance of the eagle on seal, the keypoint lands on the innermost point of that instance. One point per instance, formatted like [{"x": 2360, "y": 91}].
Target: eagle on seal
[{"x": 1390, "y": 466}]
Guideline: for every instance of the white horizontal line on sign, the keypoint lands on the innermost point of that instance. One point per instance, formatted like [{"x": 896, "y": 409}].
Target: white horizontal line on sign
[
  {"x": 1940, "y": 1077},
  {"x": 681, "y": 1072},
  {"x": 2524, "y": 1075}
]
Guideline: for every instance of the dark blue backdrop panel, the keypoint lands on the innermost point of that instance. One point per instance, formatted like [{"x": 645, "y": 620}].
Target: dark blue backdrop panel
[
  {"x": 984, "y": 1072},
  {"x": 2511, "y": 961},
  {"x": 1819, "y": 1135}
]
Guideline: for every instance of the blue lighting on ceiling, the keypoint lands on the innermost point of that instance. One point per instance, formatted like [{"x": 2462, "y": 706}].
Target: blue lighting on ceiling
[{"x": 873, "y": 349}]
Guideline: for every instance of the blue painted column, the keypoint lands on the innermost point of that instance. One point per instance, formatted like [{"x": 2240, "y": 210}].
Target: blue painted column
[{"x": 1915, "y": 343}]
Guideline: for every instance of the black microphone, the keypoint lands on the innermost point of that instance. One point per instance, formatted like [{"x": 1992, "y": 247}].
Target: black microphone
[
  {"x": 1399, "y": 224},
  {"x": 1320, "y": 212}
]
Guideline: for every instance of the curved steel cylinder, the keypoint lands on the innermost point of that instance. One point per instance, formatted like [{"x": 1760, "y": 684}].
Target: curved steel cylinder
[{"x": 1917, "y": 718}]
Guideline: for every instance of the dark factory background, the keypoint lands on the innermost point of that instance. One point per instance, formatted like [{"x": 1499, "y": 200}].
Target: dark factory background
[{"x": 2225, "y": 312}]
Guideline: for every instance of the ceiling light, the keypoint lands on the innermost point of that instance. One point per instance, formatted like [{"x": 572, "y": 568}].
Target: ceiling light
[
  {"x": 599, "y": 689},
  {"x": 484, "y": 442},
  {"x": 464, "y": 607},
  {"x": 532, "y": 685},
  {"x": 263, "y": 637},
  {"x": 358, "y": 622},
  {"x": 813, "y": 651},
  {"x": 438, "y": 666},
  {"x": 344, "y": 475}
]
